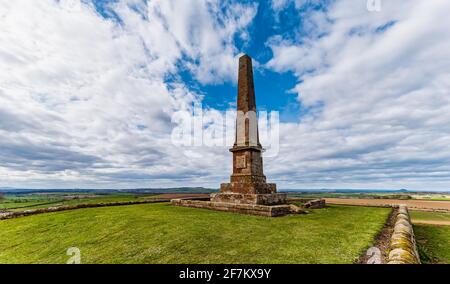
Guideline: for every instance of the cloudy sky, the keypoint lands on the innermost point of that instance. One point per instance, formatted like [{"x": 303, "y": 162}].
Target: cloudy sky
[{"x": 88, "y": 90}]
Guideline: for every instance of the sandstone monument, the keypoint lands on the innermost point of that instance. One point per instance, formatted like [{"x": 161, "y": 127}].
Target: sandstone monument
[
  {"x": 248, "y": 192},
  {"x": 247, "y": 183}
]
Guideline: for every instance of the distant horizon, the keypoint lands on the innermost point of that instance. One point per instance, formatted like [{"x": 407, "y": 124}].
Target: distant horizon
[{"x": 216, "y": 189}]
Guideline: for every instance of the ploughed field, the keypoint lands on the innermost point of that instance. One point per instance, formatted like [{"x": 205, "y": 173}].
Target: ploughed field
[
  {"x": 162, "y": 233},
  {"x": 414, "y": 204}
]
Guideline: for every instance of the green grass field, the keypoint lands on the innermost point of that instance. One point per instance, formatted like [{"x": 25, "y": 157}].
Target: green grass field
[
  {"x": 432, "y": 216},
  {"x": 433, "y": 243},
  {"x": 161, "y": 233},
  {"x": 11, "y": 201}
]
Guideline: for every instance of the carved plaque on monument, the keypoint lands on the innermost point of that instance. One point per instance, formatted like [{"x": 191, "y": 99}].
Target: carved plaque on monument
[{"x": 241, "y": 162}]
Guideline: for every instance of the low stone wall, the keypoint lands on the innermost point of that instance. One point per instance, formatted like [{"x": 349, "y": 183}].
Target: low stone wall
[
  {"x": 10, "y": 215},
  {"x": 315, "y": 204},
  {"x": 403, "y": 249},
  {"x": 309, "y": 203},
  {"x": 301, "y": 200}
]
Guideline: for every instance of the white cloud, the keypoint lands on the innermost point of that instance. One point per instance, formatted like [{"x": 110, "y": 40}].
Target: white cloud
[
  {"x": 382, "y": 81},
  {"x": 85, "y": 100},
  {"x": 204, "y": 31}
]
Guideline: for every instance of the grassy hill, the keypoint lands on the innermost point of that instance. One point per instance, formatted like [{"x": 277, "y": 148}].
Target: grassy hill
[{"x": 161, "y": 233}]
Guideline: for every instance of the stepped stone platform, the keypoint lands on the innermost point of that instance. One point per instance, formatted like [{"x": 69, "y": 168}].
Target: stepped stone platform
[
  {"x": 248, "y": 192},
  {"x": 251, "y": 209},
  {"x": 243, "y": 198}
]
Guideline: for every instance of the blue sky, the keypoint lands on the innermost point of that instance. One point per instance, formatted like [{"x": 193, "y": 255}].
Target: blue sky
[
  {"x": 90, "y": 89},
  {"x": 273, "y": 88}
]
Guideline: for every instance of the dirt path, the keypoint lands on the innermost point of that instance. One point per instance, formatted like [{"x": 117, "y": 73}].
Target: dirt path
[
  {"x": 432, "y": 222},
  {"x": 412, "y": 204}
]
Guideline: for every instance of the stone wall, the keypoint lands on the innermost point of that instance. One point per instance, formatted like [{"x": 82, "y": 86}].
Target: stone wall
[
  {"x": 251, "y": 209},
  {"x": 10, "y": 215},
  {"x": 403, "y": 249}
]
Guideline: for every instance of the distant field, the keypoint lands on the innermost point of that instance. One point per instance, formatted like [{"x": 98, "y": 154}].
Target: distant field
[
  {"x": 35, "y": 201},
  {"x": 374, "y": 195},
  {"x": 412, "y": 204},
  {"x": 430, "y": 216},
  {"x": 434, "y": 197},
  {"x": 12, "y": 201},
  {"x": 437, "y": 199},
  {"x": 349, "y": 195},
  {"x": 161, "y": 233}
]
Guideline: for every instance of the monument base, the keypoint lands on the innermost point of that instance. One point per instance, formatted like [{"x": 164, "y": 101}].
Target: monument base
[
  {"x": 255, "y": 199},
  {"x": 252, "y": 209}
]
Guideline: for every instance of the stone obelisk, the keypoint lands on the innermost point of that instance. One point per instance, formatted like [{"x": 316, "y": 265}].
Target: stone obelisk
[
  {"x": 247, "y": 183},
  {"x": 247, "y": 192}
]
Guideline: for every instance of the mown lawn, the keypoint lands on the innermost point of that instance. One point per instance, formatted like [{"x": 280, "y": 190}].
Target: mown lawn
[
  {"x": 433, "y": 241},
  {"x": 161, "y": 233},
  {"x": 12, "y": 201}
]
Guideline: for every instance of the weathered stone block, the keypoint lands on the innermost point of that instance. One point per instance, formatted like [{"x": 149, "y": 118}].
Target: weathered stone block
[
  {"x": 315, "y": 204},
  {"x": 403, "y": 248},
  {"x": 402, "y": 255},
  {"x": 296, "y": 209},
  {"x": 248, "y": 188},
  {"x": 240, "y": 198},
  {"x": 252, "y": 209}
]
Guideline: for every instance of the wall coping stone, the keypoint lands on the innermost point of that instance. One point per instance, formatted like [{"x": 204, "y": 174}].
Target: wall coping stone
[{"x": 403, "y": 249}]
